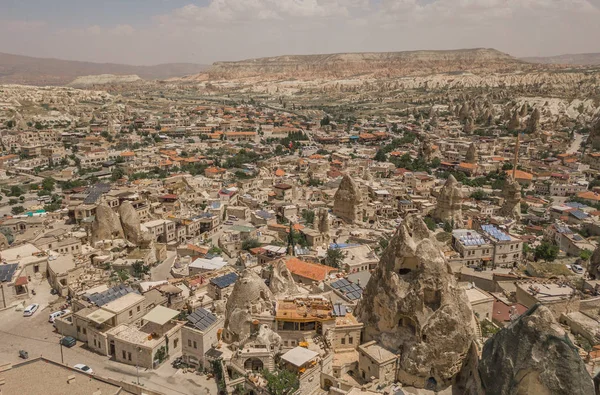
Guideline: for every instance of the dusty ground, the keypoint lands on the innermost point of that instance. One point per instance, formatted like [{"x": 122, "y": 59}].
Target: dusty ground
[{"x": 36, "y": 335}]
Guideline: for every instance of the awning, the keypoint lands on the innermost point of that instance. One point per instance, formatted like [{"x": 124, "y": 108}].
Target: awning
[
  {"x": 100, "y": 316},
  {"x": 21, "y": 281},
  {"x": 299, "y": 356},
  {"x": 160, "y": 315}
]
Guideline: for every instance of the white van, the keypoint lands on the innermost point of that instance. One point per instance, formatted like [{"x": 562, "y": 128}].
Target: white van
[
  {"x": 29, "y": 310},
  {"x": 57, "y": 314}
]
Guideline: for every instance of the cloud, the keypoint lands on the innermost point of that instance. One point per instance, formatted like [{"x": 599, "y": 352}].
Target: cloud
[{"x": 238, "y": 29}]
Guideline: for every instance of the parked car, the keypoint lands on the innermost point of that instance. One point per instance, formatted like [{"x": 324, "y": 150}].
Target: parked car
[
  {"x": 57, "y": 314},
  {"x": 84, "y": 368},
  {"x": 68, "y": 341},
  {"x": 577, "y": 269},
  {"x": 228, "y": 223},
  {"x": 29, "y": 310}
]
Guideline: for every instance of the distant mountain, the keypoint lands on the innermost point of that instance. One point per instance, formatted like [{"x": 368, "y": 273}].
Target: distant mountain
[
  {"x": 17, "y": 69},
  {"x": 379, "y": 64},
  {"x": 581, "y": 59}
]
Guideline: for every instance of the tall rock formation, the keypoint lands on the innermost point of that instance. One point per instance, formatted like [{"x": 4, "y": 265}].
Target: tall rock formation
[
  {"x": 511, "y": 208},
  {"x": 533, "y": 356},
  {"x": 323, "y": 223},
  {"x": 282, "y": 283},
  {"x": 594, "y": 137},
  {"x": 471, "y": 156},
  {"x": 347, "y": 202},
  {"x": 250, "y": 296},
  {"x": 413, "y": 307},
  {"x": 130, "y": 222},
  {"x": 449, "y": 203},
  {"x": 106, "y": 225},
  {"x": 594, "y": 270},
  {"x": 515, "y": 122},
  {"x": 533, "y": 124}
]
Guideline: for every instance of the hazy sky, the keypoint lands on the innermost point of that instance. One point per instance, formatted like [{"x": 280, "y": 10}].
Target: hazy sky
[{"x": 204, "y": 31}]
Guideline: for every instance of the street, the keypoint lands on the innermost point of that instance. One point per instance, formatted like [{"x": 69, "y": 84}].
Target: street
[{"x": 37, "y": 336}]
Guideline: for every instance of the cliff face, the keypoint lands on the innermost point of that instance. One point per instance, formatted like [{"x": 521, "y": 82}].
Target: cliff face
[
  {"x": 413, "y": 307},
  {"x": 533, "y": 356},
  {"x": 387, "y": 64}
]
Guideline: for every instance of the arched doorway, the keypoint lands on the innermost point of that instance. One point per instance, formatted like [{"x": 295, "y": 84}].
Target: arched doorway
[
  {"x": 327, "y": 384},
  {"x": 253, "y": 364}
]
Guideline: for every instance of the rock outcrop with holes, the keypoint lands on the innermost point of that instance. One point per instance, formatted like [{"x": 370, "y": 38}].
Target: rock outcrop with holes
[
  {"x": 130, "y": 222},
  {"x": 347, "y": 201},
  {"x": 594, "y": 270},
  {"x": 533, "y": 355},
  {"x": 282, "y": 284},
  {"x": 471, "y": 156},
  {"x": 449, "y": 203},
  {"x": 594, "y": 137},
  {"x": 3, "y": 242},
  {"x": 323, "y": 223},
  {"x": 413, "y": 307},
  {"x": 250, "y": 297},
  {"x": 106, "y": 225},
  {"x": 511, "y": 208}
]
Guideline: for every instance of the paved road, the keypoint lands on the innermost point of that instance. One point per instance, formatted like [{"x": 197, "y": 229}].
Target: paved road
[
  {"x": 36, "y": 335},
  {"x": 576, "y": 144},
  {"x": 163, "y": 271}
]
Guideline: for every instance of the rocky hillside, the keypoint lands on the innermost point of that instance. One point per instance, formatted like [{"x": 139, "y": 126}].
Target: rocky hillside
[
  {"x": 91, "y": 80},
  {"x": 17, "y": 69},
  {"x": 384, "y": 64},
  {"x": 582, "y": 59}
]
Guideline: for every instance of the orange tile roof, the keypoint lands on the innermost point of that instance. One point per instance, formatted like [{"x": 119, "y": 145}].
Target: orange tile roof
[
  {"x": 589, "y": 195},
  {"x": 279, "y": 173},
  {"x": 471, "y": 166},
  {"x": 313, "y": 271},
  {"x": 128, "y": 153},
  {"x": 521, "y": 175}
]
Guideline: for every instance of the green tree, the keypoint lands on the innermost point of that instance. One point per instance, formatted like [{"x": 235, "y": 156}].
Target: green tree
[
  {"x": 430, "y": 223},
  {"x": 448, "y": 226},
  {"x": 7, "y": 232},
  {"x": 12, "y": 201},
  {"x": 585, "y": 255},
  {"x": 309, "y": 216},
  {"x": 479, "y": 195},
  {"x": 15, "y": 190},
  {"x": 334, "y": 257},
  {"x": 140, "y": 269},
  {"x": 383, "y": 244},
  {"x": 546, "y": 251},
  {"x": 281, "y": 382},
  {"x": 48, "y": 184},
  {"x": 117, "y": 174},
  {"x": 325, "y": 121},
  {"x": 16, "y": 210},
  {"x": 250, "y": 243},
  {"x": 380, "y": 156}
]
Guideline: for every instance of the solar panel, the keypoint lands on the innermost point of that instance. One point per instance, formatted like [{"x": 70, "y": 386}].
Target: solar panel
[
  {"x": 202, "y": 319},
  {"x": 350, "y": 290},
  {"x": 225, "y": 281},
  {"x": 339, "y": 310},
  {"x": 7, "y": 272},
  {"x": 339, "y": 283},
  {"x": 114, "y": 293}
]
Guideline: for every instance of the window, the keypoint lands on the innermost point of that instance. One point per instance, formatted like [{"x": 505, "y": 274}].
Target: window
[
  {"x": 131, "y": 313},
  {"x": 78, "y": 329},
  {"x": 84, "y": 331},
  {"x": 189, "y": 343},
  {"x": 138, "y": 309},
  {"x": 195, "y": 345},
  {"x": 350, "y": 340},
  {"x": 343, "y": 340},
  {"x": 124, "y": 355},
  {"x": 129, "y": 356}
]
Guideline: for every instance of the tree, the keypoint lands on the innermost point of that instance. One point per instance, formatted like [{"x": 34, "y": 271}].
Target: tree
[
  {"x": 12, "y": 201},
  {"x": 309, "y": 216},
  {"x": 546, "y": 251},
  {"x": 380, "y": 156},
  {"x": 430, "y": 223},
  {"x": 383, "y": 244},
  {"x": 117, "y": 174},
  {"x": 479, "y": 195},
  {"x": 448, "y": 226},
  {"x": 140, "y": 269},
  {"x": 334, "y": 257},
  {"x": 15, "y": 190},
  {"x": 325, "y": 121},
  {"x": 281, "y": 382},
  {"x": 16, "y": 210},
  {"x": 250, "y": 243},
  {"x": 48, "y": 184},
  {"x": 585, "y": 255},
  {"x": 7, "y": 232}
]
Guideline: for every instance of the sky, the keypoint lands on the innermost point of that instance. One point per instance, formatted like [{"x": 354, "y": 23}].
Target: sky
[{"x": 146, "y": 32}]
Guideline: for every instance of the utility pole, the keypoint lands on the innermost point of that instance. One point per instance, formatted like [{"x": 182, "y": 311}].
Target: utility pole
[{"x": 516, "y": 160}]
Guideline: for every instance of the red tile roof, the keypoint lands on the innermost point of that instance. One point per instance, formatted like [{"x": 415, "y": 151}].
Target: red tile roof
[{"x": 312, "y": 271}]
